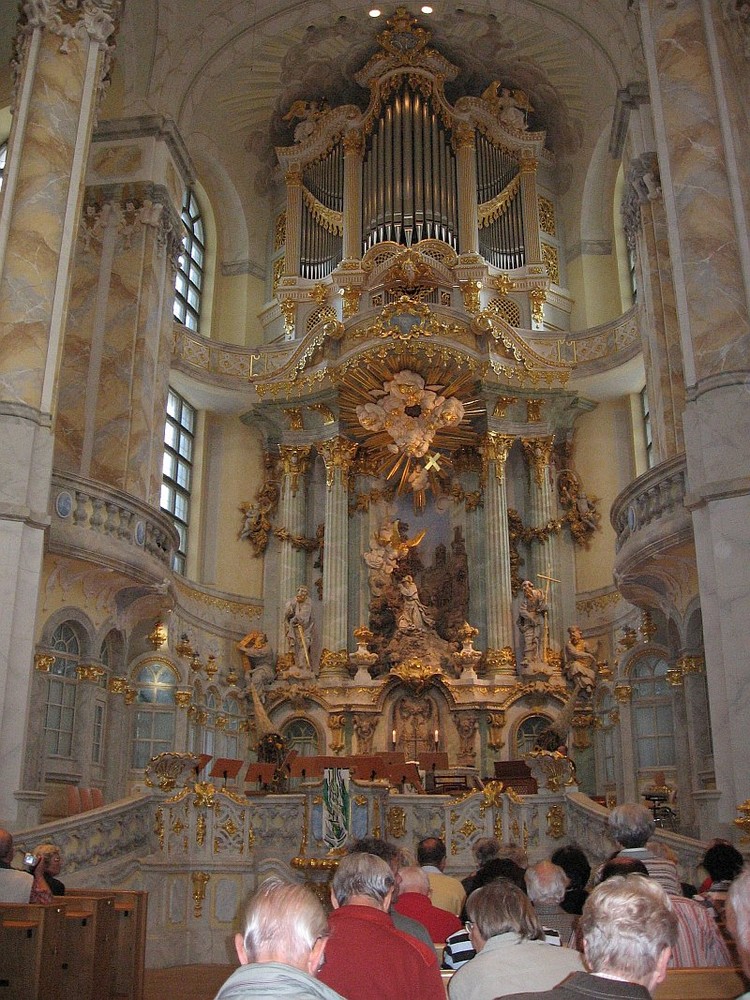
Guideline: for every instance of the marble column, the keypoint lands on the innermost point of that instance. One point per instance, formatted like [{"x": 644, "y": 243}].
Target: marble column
[
  {"x": 63, "y": 54},
  {"x": 530, "y": 205},
  {"x": 704, "y": 167},
  {"x": 500, "y": 652},
  {"x": 293, "y": 249},
  {"x": 338, "y": 454},
  {"x": 624, "y": 696},
  {"x": 295, "y": 460},
  {"x": 466, "y": 169},
  {"x": 545, "y": 555},
  {"x": 353, "y": 152},
  {"x": 119, "y": 346}
]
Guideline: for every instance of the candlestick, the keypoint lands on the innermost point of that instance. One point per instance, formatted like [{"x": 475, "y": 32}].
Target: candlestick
[{"x": 393, "y": 737}]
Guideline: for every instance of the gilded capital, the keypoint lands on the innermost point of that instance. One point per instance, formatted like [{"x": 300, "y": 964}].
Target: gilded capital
[
  {"x": 538, "y": 297},
  {"x": 295, "y": 461},
  {"x": 91, "y": 672},
  {"x": 337, "y": 453},
  {"x": 496, "y": 449},
  {"x": 537, "y": 452},
  {"x": 43, "y": 662},
  {"x": 353, "y": 142},
  {"x": 463, "y": 136},
  {"x": 528, "y": 165}
]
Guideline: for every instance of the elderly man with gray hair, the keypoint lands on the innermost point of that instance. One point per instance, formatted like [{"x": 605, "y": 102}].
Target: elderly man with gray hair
[
  {"x": 632, "y": 825},
  {"x": 628, "y": 929},
  {"x": 281, "y": 947},
  {"x": 546, "y": 884},
  {"x": 367, "y": 957},
  {"x": 737, "y": 913}
]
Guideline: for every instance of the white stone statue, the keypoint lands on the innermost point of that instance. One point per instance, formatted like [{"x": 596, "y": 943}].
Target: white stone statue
[
  {"x": 413, "y": 614},
  {"x": 531, "y": 616},
  {"x": 580, "y": 664},
  {"x": 299, "y": 631}
]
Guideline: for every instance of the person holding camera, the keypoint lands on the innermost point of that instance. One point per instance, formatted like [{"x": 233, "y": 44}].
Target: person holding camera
[{"x": 17, "y": 886}]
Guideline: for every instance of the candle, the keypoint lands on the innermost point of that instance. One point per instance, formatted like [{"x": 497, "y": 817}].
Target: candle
[
  {"x": 437, "y": 736},
  {"x": 393, "y": 737}
]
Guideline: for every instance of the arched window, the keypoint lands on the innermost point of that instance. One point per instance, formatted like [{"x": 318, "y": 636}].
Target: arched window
[
  {"x": 232, "y": 713},
  {"x": 177, "y": 470},
  {"x": 59, "y": 720},
  {"x": 153, "y": 726},
  {"x": 189, "y": 278},
  {"x": 606, "y": 709},
  {"x": 301, "y": 736},
  {"x": 528, "y": 733},
  {"x": 653, "y": 723},
  {"x": 209, "y": 727}
]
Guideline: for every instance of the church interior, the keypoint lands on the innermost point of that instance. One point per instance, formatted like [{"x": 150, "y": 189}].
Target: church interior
[{"x": 374, "y": 391}]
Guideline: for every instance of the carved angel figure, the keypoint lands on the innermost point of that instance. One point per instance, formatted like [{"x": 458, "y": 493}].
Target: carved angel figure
[{"x": 310, "y": 112}]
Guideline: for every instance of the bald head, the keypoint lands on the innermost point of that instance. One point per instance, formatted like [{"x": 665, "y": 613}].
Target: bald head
[{"x": 415, "y": 879}]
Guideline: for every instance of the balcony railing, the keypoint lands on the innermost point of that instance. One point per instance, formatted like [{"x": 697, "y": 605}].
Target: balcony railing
[{"x": 654, "y": 496}]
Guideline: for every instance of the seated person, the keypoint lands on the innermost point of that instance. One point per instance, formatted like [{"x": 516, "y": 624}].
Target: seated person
[
  {"x": 447, "y": 892},
  {"x": 367, "y": 957},
  {"x": 576, "y": 866},
  {"x": 546, "y": 884},
  {"x": 511, "y": 951},
  {"x": 627, "y": 928},
  {"x": 281, "y": 947},
  {"x": 414, "y": 901},
  {"x": 17, "y": 886},
  {"x": 53, "y": 859}
]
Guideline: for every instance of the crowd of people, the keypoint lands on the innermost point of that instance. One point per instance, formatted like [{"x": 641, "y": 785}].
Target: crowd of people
[{"x": 552, "y": 929}]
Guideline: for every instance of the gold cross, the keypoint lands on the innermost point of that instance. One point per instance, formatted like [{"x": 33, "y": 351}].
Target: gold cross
[{"x": 432, "y": 462}]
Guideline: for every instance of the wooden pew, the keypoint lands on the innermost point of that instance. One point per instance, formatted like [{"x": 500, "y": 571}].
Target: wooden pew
[
  {"x": 129, "y": 950},
  {"x": 89, "y": 936},
  {"x": 701, "y": 984},
  {"x": 31, "y": 944}
]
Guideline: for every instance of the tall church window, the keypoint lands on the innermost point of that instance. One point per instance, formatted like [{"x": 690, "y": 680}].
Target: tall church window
[
  {"x": 232, "y": 714},
  {"x": 153, "y": 725},
  {"x": 3, "y": 159},
  {"x": 653, "y": 721},
  {"x": 59, "y": 721},
  {"x": 189, "y": 278},
  {"x": 177, "y": 470}
]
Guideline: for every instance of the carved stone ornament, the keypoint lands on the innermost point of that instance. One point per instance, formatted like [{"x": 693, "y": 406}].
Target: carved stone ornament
[
  {"x": 552, "y": 770},
  {"x": 416, "y": 675},
  {"x": 396, "y": 822}
]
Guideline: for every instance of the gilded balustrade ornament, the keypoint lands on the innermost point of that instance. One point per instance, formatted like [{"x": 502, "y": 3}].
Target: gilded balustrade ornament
[
  {"x": 289, "y": 312},
  {"x": 205, "y": 795},
  {"x": 537, "y": 296},
  {"x": 43, "y": 662},
  {"x": 552, "y": 770},
  {"x": 168, "y": 769},
  {"x": 200, "y": 881},
  {"x": 470, "y": 292},
  {"x": 350, "y": 295},
  {"x": 90, "y": 672},
  {"x": 396, "y": 822},
  {"x": 556, "y": 821}
]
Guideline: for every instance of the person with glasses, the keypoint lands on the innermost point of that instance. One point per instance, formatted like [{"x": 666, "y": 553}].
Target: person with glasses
[
  {"x": 53, "y": 857},
  {"x": 511, "y": 951}
]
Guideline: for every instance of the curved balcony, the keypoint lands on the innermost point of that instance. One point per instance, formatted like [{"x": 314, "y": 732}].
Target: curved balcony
[
  {"x": 93, "y": 521},
  {"x": 655, "y": 547}
]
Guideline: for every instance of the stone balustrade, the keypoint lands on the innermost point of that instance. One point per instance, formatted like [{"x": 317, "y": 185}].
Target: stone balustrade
[
  {"x": 120, "y": 530},
  {"x": 655, "y": 496}
]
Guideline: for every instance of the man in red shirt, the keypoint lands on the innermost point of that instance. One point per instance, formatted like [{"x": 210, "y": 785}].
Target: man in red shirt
[
  {"x": 366, "y": 957},
  {"x": 414, "y": 901}
]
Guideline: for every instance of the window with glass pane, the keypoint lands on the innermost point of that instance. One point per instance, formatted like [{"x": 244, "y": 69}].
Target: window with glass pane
[
  {"x": 153, "y": 726},
  {"x": 3, "y": 158},
  {"x": 653, "y": 722},
  {"x": 96, "y": 743},
  {"x": 189, "y": 279},
  {"x": 59, "y": 717},
  {"x": 231, "y": 712},
  {"x": 646, "y": 412},
  {"x": 529, "y": 732},
  {"x": 301, "y": 736},
  {"x": 177, "y": 469}
]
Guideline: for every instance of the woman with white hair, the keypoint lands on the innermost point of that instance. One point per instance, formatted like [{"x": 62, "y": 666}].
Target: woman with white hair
[{"x": 53, "y": 858}]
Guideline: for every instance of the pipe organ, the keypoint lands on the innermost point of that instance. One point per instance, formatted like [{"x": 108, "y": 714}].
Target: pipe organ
[
  {"x": 409, "y": 174},
  {"x": 414, "y": 164}
]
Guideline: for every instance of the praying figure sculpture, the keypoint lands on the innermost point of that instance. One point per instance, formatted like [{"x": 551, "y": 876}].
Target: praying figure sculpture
[
  {"x": 580, "y": 664},
  {"x": 413, "y": 614}
]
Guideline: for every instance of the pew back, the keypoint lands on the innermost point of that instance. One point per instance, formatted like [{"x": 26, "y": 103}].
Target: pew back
[
  {"x": 129, "y": 951},
  {"x": 701, "y": 984},
  {"x": 31, "y": 946}
]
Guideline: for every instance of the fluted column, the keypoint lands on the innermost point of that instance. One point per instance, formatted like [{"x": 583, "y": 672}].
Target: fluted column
[
  {"x": 545, "y": 556},
  {"x": 466, "y": 167},
  {"x": 500, "y": 656},
  {"x": 338, "y": 454},
  {"x": 295, "y": 461},
  {"x": 293, "y": 251},
  {"x": 63, "y": 52},
  {"x": 530, "y": 205},
  {"x": 354, "y": 146},
  {"x": 696, "y": 87}
]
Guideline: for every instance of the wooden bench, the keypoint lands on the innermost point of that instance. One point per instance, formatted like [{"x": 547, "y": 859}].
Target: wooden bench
[
  {"x": 129, "y": 948},
  {"x": 701, "y": 984},
  {"x": 31, "y": 944}
]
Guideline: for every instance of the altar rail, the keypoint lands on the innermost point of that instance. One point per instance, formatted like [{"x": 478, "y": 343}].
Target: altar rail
[{"x": 199, "y": 850}]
